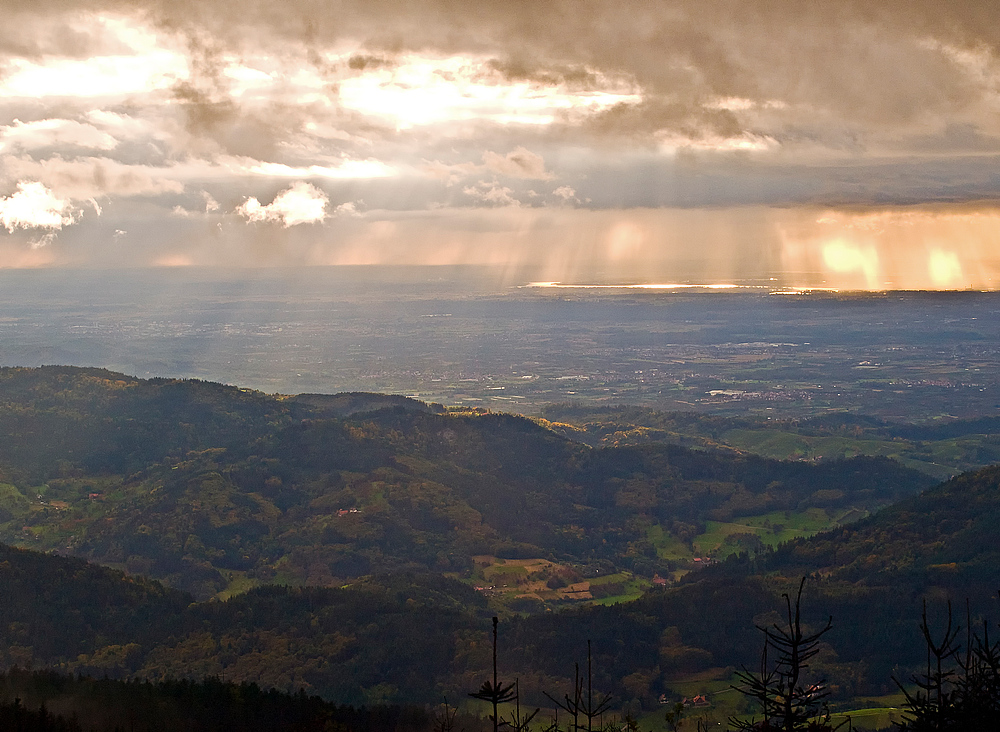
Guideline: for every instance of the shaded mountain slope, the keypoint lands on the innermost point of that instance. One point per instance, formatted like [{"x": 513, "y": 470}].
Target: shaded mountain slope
[
  {"x": 57, "y": 608},
  {"x": 873, "y": 577},
  {"x": 396, "y": 636},
  {"x": 945, "y": 537}
]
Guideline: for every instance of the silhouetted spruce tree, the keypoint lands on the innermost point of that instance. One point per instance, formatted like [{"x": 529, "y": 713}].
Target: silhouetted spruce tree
[
  {"x": 958, "y": 692},
  {"x": 788, "y": 702},
  {"x": 495, "y": 692},
  {"x": 570, "y": 705},
  {"x": 979, "y": 686},
  {"x": 934, "y": 706}
]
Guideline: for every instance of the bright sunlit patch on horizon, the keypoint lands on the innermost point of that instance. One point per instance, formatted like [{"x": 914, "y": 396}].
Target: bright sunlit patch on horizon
[
  {"x": 174, "y": 260},
  {"x": 896, "y": 248},
  {"x": 945, "y": 269},
  {"x": 423, "y": 90},
  {"x": 842, "y": 257},
  {"x": 803, "y": 290},
  {"x": 644, "y": 286}
]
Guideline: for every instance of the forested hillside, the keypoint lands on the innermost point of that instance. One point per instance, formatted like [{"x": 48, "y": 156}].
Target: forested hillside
[
  {"x": 212, "y": 488},
  {"x": 944, "y": 537},
  {"x": 872, "y": 577},
  {"x": 413, "y": 637},
  {"x": 376, "y": 640}
]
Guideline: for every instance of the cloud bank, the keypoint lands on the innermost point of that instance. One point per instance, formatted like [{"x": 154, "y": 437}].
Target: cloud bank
[{"x": 435, "y": 111}]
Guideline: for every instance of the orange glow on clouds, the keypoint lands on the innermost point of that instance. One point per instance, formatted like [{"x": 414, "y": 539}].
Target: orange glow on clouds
[{"x": 920, "y": 248}]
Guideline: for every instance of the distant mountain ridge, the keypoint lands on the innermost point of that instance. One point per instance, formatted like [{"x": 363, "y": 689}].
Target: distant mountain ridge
[
  {"x": 941, "y": 448},
  {"x": 347, "y": 404}
]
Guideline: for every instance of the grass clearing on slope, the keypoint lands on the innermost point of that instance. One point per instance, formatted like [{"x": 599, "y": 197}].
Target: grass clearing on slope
[{"x": 771, "y": 528}]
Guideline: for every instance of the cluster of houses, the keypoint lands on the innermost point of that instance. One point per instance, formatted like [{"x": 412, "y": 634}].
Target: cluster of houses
[{"x": 701, "y": 700}]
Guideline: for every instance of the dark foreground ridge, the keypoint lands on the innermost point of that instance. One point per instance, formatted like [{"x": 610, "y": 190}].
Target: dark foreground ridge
[{"x": 47, "y": 701}]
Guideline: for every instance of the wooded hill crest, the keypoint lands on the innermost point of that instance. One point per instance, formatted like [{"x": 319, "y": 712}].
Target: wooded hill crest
[{"x": 212, "y": 488}]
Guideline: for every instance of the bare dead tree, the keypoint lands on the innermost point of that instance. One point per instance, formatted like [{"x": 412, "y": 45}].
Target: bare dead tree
[
  {"x": 444, "y": 718},
  {"x": 571, "y": 706},
  {"x": 517, "y": 723},
  {"x": 578, "y": 706}
]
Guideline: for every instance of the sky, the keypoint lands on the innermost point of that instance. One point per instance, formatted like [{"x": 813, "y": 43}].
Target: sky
[{"x": 845, "y": 144}]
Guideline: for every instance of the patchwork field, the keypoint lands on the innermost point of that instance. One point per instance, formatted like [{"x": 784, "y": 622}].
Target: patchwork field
[{"x": 521, "y": 583}]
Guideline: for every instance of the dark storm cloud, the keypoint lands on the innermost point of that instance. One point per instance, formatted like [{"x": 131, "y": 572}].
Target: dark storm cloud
[
  {"x": 866, "y": 68},
  {"x": 864, "y": 59}
]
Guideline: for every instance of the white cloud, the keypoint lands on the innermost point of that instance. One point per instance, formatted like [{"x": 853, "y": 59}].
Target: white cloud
[
  {"x": 450, "y": 174},
  {"x": 54, "y": 132},
  {"x": 91, "y": 177},
  {"x": 672, "y": 141},
  {"x": 135, "y": 61},
  {"x": 104, "y": 76},
  {"x": 301, "y": 204},
  {"x": 124, "y": 126},
  {"x": 346, "y": 169},
  {"x": 519, "y": 163},
  {"x": 211, "y": 205},
  {"x": 491, "y": 194},
  {"x": 566, "y": 193},
  {"x": 33, "y": 206}
]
